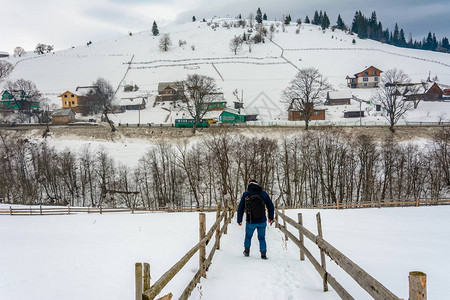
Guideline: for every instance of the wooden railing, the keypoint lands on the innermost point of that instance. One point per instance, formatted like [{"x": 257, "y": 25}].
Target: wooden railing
[
  {"x": 67, "y": 210},
  {"x": 143, "y": 288},
  {"x": 373, "y": 287},
  {"x": 417, "y": 202}
]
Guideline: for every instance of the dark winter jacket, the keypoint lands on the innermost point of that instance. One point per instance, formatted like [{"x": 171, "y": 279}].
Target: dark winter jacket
[{"x": 255, "y": 189}]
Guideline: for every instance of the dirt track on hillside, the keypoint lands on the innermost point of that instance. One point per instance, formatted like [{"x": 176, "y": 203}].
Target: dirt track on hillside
[{"x": 103, "y": 133}]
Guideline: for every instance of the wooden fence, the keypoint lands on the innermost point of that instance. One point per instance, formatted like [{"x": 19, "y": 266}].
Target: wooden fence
[
  {"x": 143, "y": 288},
  {"x": 42, "y": 210},
  {"x": 373, "y": 287},
  {"x": 418, "y": 202}
]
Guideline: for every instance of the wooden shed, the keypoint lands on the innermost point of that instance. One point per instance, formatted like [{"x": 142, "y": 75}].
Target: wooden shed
[
  {"x": 229, "y": 115},
  {"x": 296, "y": 115},
  {"x": 338, "y": 98},
  {"x": 63, "y": 116}
]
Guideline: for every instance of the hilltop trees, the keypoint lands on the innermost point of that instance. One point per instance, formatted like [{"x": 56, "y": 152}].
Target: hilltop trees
[
  {"x": 258, "y": 17},
  {"x": 155, "y": 30},
  {"x": 197, "y": 91},
  {"x": 43, "y": 48},
  {"x": 165, "y": 42},
  {"x": 19, "y": 51},
  {"x": 236, "y": 44},
  {"x": 306, "y": 91},
  {"x": 5, "y": 69},
  {"x": 340, "y": 24}
]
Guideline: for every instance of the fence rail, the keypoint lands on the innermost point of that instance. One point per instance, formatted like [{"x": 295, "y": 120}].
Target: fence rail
[
  {"x": 204, "y": 263},
  {"x": 41, "y": 210},
  {"x": 373, "y": 287},
  {"x": 417, "y": 202}
]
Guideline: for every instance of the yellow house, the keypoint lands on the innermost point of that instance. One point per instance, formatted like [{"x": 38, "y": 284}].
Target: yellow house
[{"x": 72, "y": 101}]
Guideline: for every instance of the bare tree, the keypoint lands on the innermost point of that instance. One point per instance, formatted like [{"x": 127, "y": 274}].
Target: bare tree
[
  {"x": 165, "y": 42},
  {"x": 198, "y": 91},
  {"x": 5, "y": 69},
  {"x": 306, "y": 91},
  {"x": 236, "y": 44},
  {"x": 271, "y": 31},
  {"x": 251, "y": 20},
  {"x": 394, "y": 86},
  {"x": 19, "y": 51},
  {"x": 250, "y": 43},
  {"x": 105, "y": 92}
]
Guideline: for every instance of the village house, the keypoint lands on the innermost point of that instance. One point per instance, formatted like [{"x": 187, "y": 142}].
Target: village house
[
  {"x": 434, "y": 93},
  {"x": 76, "y": 102},
  {"x": 132, "y": 103},
  {"x": 368, "y": 78},
  {"x": 230, "y": 115},
  {"x": 63, "y": 116},
  {"x": 338, "y": 98},
  {"x": 296, "y": 115},
  {"x": 17, "y": 100},
  {"x": 167, "y": 91}
]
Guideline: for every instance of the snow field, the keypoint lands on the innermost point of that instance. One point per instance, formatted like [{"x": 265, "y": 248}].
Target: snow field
[{"x": 92, "y": 256}]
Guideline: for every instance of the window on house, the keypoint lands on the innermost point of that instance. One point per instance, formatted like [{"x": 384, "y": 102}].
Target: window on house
[
  {"x": 366, "y": 73},
  {"x": 71, "y": 96},
  {"x": 365, "y": 78},
  {"x": 365, "y": 84},
  {"x": 65, "y": 96},
  {"x": 65, "y": 102},
  {"x": 73, "y": 102},
  {"x": 374, "y": 73},
  {"x": 376, "y": 78}
]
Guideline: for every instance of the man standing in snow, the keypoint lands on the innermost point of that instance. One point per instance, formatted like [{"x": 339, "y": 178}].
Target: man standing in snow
[{"x": 254, "y": 202}]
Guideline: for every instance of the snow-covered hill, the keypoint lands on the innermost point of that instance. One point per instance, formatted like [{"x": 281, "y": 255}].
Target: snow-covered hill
[{"x": 261, "y": 75}]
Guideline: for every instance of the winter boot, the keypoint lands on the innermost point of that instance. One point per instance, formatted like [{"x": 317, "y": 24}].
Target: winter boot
[
  {"x": 263, "y": 255},
  {"x": 247, "y": 252}
]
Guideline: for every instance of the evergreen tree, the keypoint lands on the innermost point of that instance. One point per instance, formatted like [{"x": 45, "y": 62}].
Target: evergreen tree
[
  {"x": 434, "y": 44},
  {"x": 240, "y": 17},
  {"x": 402, "y": 39},
  {"x": 445, "y": 43},
  {"x": 320, "y": 18},
  {"x": 355, "y": 22},
  {"x": 395, "y": 36},
  {"x": 325, "y": 21},
  {"x": 265, "y": 17},
  {"x": 362, "y": 27},
  {"x": 427, "y": 44},
  {"x": 315, "y": 19},
  {"x": 340, "y": 23},
  {"x": 194, "y": 19},
  {"x": 287, "y": 20},
  {"x": 155, "y": 30},
  {"x": 258, "y": 17},
  {"x": 410, "y": 41},
  {"x": 386, "y": 37},
  {"x": 307, "y": 21}
]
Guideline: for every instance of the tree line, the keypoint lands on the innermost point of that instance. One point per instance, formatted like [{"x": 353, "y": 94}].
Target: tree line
[{"x": 308, "y": 168}]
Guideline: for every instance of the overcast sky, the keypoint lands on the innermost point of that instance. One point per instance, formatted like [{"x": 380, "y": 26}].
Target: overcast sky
[{"x": 66, "y": 23}]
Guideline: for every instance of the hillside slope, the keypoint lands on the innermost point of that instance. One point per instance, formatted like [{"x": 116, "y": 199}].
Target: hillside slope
[{"x": 261, "y": 75}]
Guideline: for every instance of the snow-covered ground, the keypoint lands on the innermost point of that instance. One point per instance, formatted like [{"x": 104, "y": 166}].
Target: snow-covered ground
[
  {"x": 261, "y": 74},
  {"x": 92, "y": 256}
]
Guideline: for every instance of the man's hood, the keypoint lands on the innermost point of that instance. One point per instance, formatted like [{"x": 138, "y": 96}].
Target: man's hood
[{"x": 254, "y": 188}]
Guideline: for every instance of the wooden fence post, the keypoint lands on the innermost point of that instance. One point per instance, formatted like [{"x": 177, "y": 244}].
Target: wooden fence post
[
  {"x": 31, "y": 211},
  {"x": 417, "y": 286},
  {"x": 138, "y": 280},
  {"x": 202, "y": 252},
  {"x": 300, "y": 236},
  {"x": 227, "y": 214},
  {"x": 68, "y": 209},
  {"x": 417, "y": 201},
  {"x": 40, "y": 209},
  {"x": 322, "y": 254},
  {"x": 100, "y": 210},
  {"x": 146, "y": 276},
  {"x": 284, "y": 225},
  {"x": 337, "y": 203},
  {"x": 10, "y": 211},
  {"x": 219, "y": 208}
]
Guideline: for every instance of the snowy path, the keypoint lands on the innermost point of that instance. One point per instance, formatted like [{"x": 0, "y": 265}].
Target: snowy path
[{"x": 282, "y": 276}]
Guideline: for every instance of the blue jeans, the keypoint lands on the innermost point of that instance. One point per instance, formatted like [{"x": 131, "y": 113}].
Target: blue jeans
[{"x": 250, "y": 229}]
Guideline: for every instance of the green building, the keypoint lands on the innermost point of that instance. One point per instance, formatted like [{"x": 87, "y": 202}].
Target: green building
[
  {"x": 229, "y": 115},
  {"x": 22, "y": 103}
]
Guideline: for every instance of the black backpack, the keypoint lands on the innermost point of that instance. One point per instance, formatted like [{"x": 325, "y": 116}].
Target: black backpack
[{"x": 254, "y": 207}]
